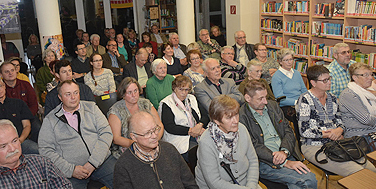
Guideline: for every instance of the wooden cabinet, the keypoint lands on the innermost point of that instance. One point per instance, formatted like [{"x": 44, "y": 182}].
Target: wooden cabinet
[{"x": 161, "y": 13}]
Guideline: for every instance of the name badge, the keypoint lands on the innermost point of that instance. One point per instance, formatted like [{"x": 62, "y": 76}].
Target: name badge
[{"x": 105, "y": 97}]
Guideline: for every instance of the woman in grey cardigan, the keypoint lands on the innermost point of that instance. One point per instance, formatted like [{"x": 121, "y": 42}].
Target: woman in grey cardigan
[{"x": 220, "y": 143}]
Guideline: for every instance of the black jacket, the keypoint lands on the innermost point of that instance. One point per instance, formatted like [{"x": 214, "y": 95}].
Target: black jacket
[{"x": 249, "y": 49}]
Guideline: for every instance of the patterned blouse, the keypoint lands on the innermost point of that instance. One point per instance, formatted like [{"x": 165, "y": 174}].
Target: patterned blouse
[
  {"x": 105, "y": 82},
  {"x": 313, "y": 118},
  {"x": 195, "y": 77}
]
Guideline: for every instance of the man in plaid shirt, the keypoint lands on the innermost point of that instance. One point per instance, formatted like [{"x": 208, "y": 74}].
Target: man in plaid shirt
[
  {"x": 339, "y": 68},
  {"x": 25, "y": 171}
]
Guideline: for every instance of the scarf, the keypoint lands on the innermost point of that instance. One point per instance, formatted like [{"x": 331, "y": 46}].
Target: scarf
[
  {"x": 186, "y": 108},
  {"x": 368, "y": 99},
  {"x": 225, "y": 142}
]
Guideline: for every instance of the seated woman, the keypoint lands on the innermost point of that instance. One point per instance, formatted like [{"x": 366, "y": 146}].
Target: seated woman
[
  {"x": 146, "y": 38},
  {"x": 182, "y": 116},
  {"x": 173, "y": 64},
  {"x": 269, "y": 64},
  {"x": 320, "y": 122},
  {"x": 159, "y": 85},
  {"x": 226, "y": 141},
  {"x": 44, "y": 75},
  {"x": 288, "y": 82},
  {"x": 100, "y": 80},
  {"x": 129, "y": 90},
  {"x": 195, "y": 72},
  {"x": 218, "y": 36},
  {"x": 357, "y": 104},
  {"x": 17, "y": 64},
  {"x": 254, "y": 70}
]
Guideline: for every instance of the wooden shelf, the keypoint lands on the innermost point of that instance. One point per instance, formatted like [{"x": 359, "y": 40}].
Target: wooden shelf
[
  {"x": 359, "y": 42},
  {"x": 340, "y": 37},
  {"x": 296, "y": 14},
  {"x": 271, "y": 30},
  {"x": 296, "y": 34},
  {"x": 361, "y": 17},
  {"x": 271, "y": 14},
  {"x": 326, "y": 17},
  {"x": 273, "y": 46}
]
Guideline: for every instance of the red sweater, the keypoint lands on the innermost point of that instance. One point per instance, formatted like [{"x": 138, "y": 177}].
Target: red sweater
[
  {"x": 154, "y": 44},
  {"x": 24, "y": 91}
]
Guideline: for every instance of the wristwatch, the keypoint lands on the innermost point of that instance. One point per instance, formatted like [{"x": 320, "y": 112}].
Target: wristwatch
[{"x": 286, "y": 152}]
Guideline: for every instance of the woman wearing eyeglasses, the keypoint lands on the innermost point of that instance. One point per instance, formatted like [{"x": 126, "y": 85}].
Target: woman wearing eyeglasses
[
  {"x": 269, "y": 64},
  {"x": 357, "y": 104},
  {"x": 195, "y": 72},
  {"x": 118, "y": 114},
  {"x": 320, "y": 122},
  {"x": 183, "y": 118},
  {"x": 100, "y": 80}
]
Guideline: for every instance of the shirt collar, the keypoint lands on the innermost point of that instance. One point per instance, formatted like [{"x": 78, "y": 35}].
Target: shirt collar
[
  {"x": 254, "y": 113},
  {"x": 238, "y": 46},
  {"x": 284, "y": 71},
  {"x": 211, "y": 83},
  {"x": 82, "y": 60},
  {"x": 62, "y": 107}
]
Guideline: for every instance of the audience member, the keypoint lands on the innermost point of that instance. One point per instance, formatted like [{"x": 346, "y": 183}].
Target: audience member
[
  {"x": 19, "y": 89},
  {"x": 86, "y": 39},
  {"x": 139, "y": 68},
  {"x": 217, "y": 35},
  {"x": 125, "y": 32},
  {"x": 129, "y": 91},
  {"x": 77, "y": 137},
  {"x": 123, "y": 47},
  {"x": 159, "y": 85},
  {"x": 100, "y": 80},
  {"x": 339, "y": 68},
  {"x": 208, "y": 47},
  {"x": 107, "y": 37},
  {"x": 63, "y": 71},
  {"x": 273, "y": 139},
  {"x": 244, "y": 52},
  {"x": 254, "y": 70},
  {"x": 193, "y": 46},
  {"x": 156, "y": 36},
  {"x": 55, "y": 81},
  {"x": 358, "y": 105},
  {"x": 146, "y": 38},
  {"x": 182, "y": 116},
  {"x": 213, "y": 85},
  {"x": 149, "y": 49},
  {"x": 269, "y": 64},
  {"x": 195, "y": 71},
  {"x": 79, "y": 34},
  {"x": 226, "y": 141},
  {"x": 320, "y": 122},
  {"x": 114, "y": 61},
  {"x": 230, "y": 68},
  {"x": 180, "y": 50},
  {"x": 17, "y": 111},
  {"x": 133, "y": 41},
  {"x": 173, "y": 64},
  {"x": 9, "y": 49},
  {"x": 33, "y": 48},
  {"x": 80, "y": 65},
  {"x": 288, "y": 82},
  {"x": 44, "y": 75},
  {"x": 150, "y": 163},
  {"x": 95, "y": 47},
  {"x": 17, "y": 64},
  {"x": 25, "y": 171}
]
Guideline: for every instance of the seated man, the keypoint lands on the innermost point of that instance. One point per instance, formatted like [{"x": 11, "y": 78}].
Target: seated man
[
  {"x": 77, "y": 138},
  {"x": 149, "y": 163},
  {"x": 208, "y": 47},
  {"x": 213, "y": 85},
  {"x": 114, "y": 61},
  {"x": 17, "y": 88},
  {"x": 139, "y": 68},
  {"x": 17, "y": 111},
  {"x": 63, "y": 71},
  {"x": 273, "y": 139},
  {"x": 25, "y": 171},
  {"x": 17, "y": 63},
  {"x": 230, "y": 68},
  {"x": 95, "y": 47},
  {"x": 244, "y": 52},
  {"x": 180, "y": 50},
  {"x": 81, "y": 64}
]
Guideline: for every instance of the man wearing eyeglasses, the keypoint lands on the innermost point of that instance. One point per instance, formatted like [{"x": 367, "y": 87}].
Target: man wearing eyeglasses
[
  {"x": 150, "y": 163},
  {"x": 81, "y": 64},
  {"x": 113, "y": 60},
  {"x": 77, "y": 138},
  {"x": 244, "y": 52},
  {"x": 208, "y": 47},
  {"x": 25, "y": 171},
  {"x": 339, "y": 68},
  {"x": 229, "y": 67}
]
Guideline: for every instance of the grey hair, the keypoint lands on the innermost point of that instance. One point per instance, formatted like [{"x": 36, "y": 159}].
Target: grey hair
[
  {"x": 192, "y": 46},
  {"x": 253, "y": 62},
  {"x": 226, "y": 47},
  {"x": 172, "y": 34},
  {"x": 155, "y": 63},
  {"x": 204, "y": 66},
  {"x": 284, "y": 52},
  {"x": 131, "y": 121},
  {"x": 202, "y": 31},
  {"x": 94, "y": 35},
  {"x": 45, "y": 52},
  {"x": 337, "y": 46},
  {"x": 236, "y": 33},
  {"x": 7, "y": 122}
]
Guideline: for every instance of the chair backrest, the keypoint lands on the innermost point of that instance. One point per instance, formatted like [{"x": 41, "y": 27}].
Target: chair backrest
[{"x": 105, "y": 102}]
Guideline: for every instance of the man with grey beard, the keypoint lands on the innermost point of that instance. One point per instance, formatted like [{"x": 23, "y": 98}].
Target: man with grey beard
[{"x": 25, "y": 171}]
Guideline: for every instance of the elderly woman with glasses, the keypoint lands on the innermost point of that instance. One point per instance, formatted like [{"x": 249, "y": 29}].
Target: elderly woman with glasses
[
  {"x": 226, "y": 141},
  {"x": 320, "y": 122},
  {"x": 195, "y": 72},
  {"x": 182, "y": 116},
  {"x": 269, "y": 64},
  {"x": 129, "y": 90},
  {"x": 357, "y": 104}
]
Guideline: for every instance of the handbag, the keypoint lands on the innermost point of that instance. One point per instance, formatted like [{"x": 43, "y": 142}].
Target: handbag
[{"x": 348, "y": 149}]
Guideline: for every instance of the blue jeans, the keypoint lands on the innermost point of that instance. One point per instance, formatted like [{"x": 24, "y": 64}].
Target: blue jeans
[
  {"x": 29, "y": 147},
  {"x": 103, "y": 174},
  {"x": 287, "y": 176}
]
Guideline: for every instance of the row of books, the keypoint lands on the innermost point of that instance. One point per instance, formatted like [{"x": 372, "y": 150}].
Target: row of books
[
  {"x": 167, "y": 12},
  {"x": 272, "y": 40},
  {"x": 301, "y": 65},
  {"x": 369, "y": 59},
  {"x": 296, "y": 7},
  {"x": 298, "y": 46},
  {"x": 272, "y": 53},
  {"x": 297, "y": 27},
  {"x": 363, "y": 33},
  {"x": 361, "y": 8},
  {"x": 324, "y": 9},
  {"x": 271, "y": 24},
  {"x": 321, "y": 50},
  {"x": 167, "y": 22},
  {"x": 272, "y": 7},
  {"x": 325, "y": 28}
]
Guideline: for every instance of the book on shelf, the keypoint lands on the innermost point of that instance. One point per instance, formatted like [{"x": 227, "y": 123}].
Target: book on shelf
[
  {"x": 272, "y": 40},
  {"x": 271, "y": 24},
  {"x": 272, "y": 7},
  {"x": 296, "y": 7},
  {"x": 324, "y": 9},
  {"x": 339, "y": 8},
  {"x": 369, "y": 59},
  {"x": 297, "y": 27},
  {"x": 320, "y": 50},
  {"x": 298, "y": 46},
  {"x": 272, "y": 53},
  {"x": 363, "y": 33},
  {"x": 325, "y": 28},
  {"x": 361, "y": 8},
  {"x": 301, "y": 65}
]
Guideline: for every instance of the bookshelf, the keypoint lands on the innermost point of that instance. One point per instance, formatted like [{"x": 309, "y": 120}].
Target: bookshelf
[
  {"x": 162, "y": 13},
  {"x": 311, "y": 28}
]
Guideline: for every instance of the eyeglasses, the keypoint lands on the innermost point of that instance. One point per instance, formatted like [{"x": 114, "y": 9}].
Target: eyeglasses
[
  {"x": 100, "y": 60},
  {"x": 366, "y": 74},
  {"x": 325, "y": 80},
  {"x": 287, "y": 60},
  {"x": 112, "y": 45},
  {"x": 262, "y": 50},
  {"x": 241, "y": 37},
  {"x": 193, "y": 59},
  {"x": 16, "y": 65},
  {"x": 149, "y": 133},
  {"x": 228, "y": 53},
  {"x": 345, "y": 52},
  {"x": 184, "y": 89}
]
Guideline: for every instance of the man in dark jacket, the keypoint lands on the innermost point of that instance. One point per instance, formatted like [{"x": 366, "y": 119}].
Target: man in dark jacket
[
  {"x": 273, "y": 139},
  {"x": 244, "y": 52}
]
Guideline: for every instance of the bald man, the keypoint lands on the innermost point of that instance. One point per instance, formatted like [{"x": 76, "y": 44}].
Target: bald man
[{"x": 139, "y": 68}]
